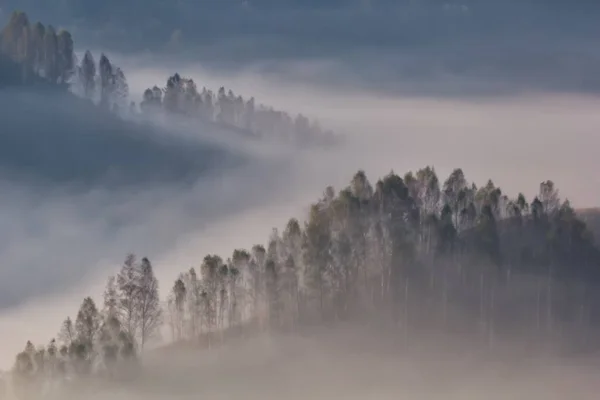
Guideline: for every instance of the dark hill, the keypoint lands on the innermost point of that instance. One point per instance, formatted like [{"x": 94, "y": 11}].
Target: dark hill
[{"x": 56, "y": 137}]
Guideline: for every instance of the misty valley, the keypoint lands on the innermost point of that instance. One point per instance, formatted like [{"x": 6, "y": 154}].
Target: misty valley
[{"x": 416, "y": 284}]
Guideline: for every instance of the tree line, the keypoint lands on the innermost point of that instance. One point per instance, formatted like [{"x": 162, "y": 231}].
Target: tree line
[
  {"x": 412, "y": 252},
  {"x": 39, "y": 50},
  {"x": 101, "y": 341},
  {"x": 41, "y": 53},
  {"x": 180, "y": 97}
]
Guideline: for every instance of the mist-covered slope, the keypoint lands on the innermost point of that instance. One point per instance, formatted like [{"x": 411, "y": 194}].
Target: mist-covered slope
[
  {"x": 54, "y": 137},
  {"x": 82, "y": 188}
]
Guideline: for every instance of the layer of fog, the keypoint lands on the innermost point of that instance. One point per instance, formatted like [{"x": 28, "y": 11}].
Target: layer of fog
[
  {"x": 65, "y": 243},
  {"x": 516, "y": 140},
  {"x": 359, "y": 362}
]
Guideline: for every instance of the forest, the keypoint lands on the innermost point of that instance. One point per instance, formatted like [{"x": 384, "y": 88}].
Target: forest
[
  {"x": 413, "y": 252},
  {"x": 35, "y": 54},
  {"x": 181, "y": 97}
]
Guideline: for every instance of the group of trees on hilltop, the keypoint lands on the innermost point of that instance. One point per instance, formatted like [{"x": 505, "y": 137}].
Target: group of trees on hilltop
[
  {"x": 102, "y": 82},
  {"x": 41, "y": 53},
  {"x": 99, "y": 342},
  {"x": 181, "y": 97},
  {"x": 39, "y": 50},
  {"x": 412, "y": 251}
]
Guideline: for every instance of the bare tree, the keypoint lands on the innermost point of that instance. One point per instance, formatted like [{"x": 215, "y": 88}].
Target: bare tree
[
  {"x": 111, "y": 299},
  {"x": 67, "y": 332},
  {"x": 176, "y": 303},
  {"x": 148, "y": 303},
  {"x": 127, "y": 282}
]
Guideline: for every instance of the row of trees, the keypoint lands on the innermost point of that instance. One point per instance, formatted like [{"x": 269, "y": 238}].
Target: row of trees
[
  {"x": 38, "y": 49},
  {"x": 104, "y": 83},
  {"x": 42, "y": 53},
  {"x": 410, "y": 251},
  {"x": 99, "y": 342},
  {"x": 180, "y": 97},
  {"x": 414, "y": 252}
]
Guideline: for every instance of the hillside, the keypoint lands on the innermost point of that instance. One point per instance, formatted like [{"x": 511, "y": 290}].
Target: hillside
[
  {"x": 71, "y": 121},
  {"x": 55, "y": 137},
  {"x": 37, "y": 55}
]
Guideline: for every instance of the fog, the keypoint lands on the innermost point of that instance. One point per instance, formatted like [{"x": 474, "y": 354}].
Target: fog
[
  {"x": 66, "y": 229},
  {"x": 516, "y": 139},
  {"x": 360, "y": 362},
  {"x": 355, "y": 362}
]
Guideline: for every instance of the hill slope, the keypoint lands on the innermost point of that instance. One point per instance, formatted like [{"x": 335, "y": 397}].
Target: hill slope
[{"x": 57, "y": 137}]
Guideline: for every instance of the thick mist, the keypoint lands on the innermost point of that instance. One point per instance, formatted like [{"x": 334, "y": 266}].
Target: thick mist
[
  {"x": 354, "y": 362},
  {"x": 358, "y": 362},
  {"x": 517, "y": 139}
]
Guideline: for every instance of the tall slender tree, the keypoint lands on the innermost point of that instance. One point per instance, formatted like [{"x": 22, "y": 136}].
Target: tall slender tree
[{"x": 148, "y": 303}]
